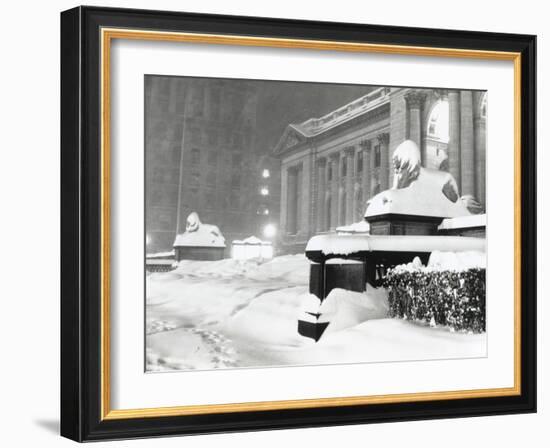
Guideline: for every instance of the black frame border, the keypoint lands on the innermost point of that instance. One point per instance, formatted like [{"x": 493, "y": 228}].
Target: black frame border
[{"x": 81, "y": 223}]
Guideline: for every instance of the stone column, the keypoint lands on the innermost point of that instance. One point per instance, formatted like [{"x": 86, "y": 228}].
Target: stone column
[
  {"x": 334, "y": 189},
  {"x": 291, "y": 201},
  {"x": 299, "y": 197},
  {"x": 365, "y": 181},
  {"x": 454, "y": 136},
  {"x": 357, "y": 181},
  {"x": 284, "y": 201},
  {"x": 349, "y": 152},
  {"x": 383, "y": 141},
  {"x": 328, "y": 196},
  {"x": 415, "y": 103},
  {"x": 307, "y": 219},
  {"x": 480, "y": 150},
  {"x": 467, "y": 157},
  {"x": 340, "y": 191},
  {"x": 321, "y": 192}
]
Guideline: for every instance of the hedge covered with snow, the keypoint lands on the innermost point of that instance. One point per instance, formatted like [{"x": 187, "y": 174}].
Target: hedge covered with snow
[{"x": 455, "y": 299}]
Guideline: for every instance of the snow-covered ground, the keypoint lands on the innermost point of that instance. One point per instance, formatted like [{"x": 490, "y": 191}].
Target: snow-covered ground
[{"x": 228, "y": 314}]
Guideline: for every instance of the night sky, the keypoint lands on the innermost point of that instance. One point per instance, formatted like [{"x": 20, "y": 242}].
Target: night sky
[{"x": 282, "y": 103}]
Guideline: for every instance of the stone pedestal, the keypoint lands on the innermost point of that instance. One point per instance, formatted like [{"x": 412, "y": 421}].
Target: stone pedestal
[{"x": 395, "y": 224}]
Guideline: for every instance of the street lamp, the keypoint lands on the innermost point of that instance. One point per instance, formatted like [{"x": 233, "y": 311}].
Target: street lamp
[{"x": 270, "y": 231}]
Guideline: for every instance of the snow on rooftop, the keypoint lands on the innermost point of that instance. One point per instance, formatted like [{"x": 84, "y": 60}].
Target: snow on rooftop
[
  {"x": 315, "y": 126},
  {"x": 253, "y": 240},
  {"x": 461, "y": 222},
  {"x": 332, "y": 244}
]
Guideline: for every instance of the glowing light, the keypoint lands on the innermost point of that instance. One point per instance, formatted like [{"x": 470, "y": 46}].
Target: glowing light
[
  {"x": 264, "y": 191},
  {"x": 270, "y": 231},
  {"x": 266, "y": 211},
  {"x": 147, "y": 239},
  {"x": 265, "y": 173}
]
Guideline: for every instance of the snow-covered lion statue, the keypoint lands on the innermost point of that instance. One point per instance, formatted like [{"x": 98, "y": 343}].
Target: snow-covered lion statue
[
  {"x": 420, "y": 191},
  {"x": 199, "y": 234}
]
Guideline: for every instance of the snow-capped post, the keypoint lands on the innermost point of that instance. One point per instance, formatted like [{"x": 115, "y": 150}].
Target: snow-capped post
[{"x": 199, "y": 241}]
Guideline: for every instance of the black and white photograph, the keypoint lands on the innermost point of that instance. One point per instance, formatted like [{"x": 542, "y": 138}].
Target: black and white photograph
[{"x": 294, "y": 223}]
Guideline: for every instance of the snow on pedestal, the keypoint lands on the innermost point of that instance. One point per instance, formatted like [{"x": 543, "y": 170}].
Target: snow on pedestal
[
  {"x": 251, "y": 248},
  {"x": 356, "y": 227},
  {"x": 199, "y": 241},
  {"x": 343, "y": 245}
]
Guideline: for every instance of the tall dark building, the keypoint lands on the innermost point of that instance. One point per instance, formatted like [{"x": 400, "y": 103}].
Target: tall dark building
[
  {"x": 200, "y": 156},
  {"x": 208, "y": 149}
]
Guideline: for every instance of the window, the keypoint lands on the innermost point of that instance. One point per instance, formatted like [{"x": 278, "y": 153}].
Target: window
[
  {"x": 164, "y": 221},
  {"x": 194, "y": 135},
  {"x": 377, "y": 156},
  {"x": 215, "y": 96},
  {"x": 198, "y": 102},
  {"x": 176, "y": 154},
  {"x": 329, "y": 172},
  {"x": 438, "y": 123},
  {"x": 211, "y": 178},
  {"x": 483, "y": 111},
  {"x": 235, "y": 180},
  {"x": 212, "y": 138},
  {"x": 195, "y": 156},
  {"x": 237, "y": 141},
  {"x": 195, "y": 178},
  {"x": 360, "y": 162},
  {"x": 212, "y": 158},
  {"x": 236, "y": 160},
  {"x": 158, "y": 175},
  {"x": 262, "y": 210},
  {"x": 210, "y": 200},
  {"x": 344, "y": 166}
]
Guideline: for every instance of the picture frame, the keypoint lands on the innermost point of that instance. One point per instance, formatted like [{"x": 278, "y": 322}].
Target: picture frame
[{"x": 86, "y": 209}]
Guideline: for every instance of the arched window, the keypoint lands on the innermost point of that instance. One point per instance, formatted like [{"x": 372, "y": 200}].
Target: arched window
[
  {"x": 483, "y": 108},
  {"x": 438, "y": 123},
  {"x": 437, "y": 135}
]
